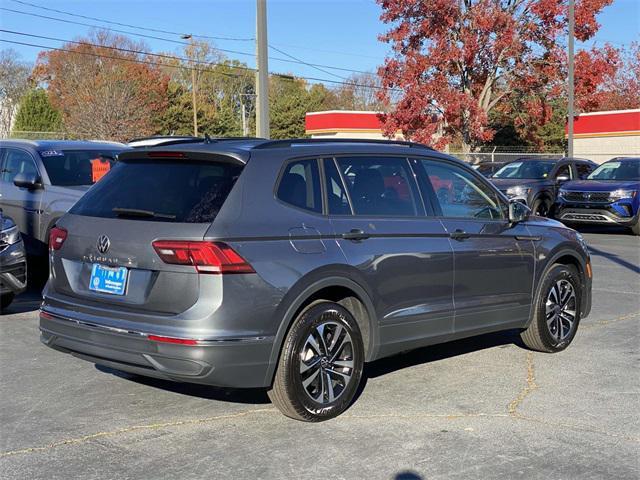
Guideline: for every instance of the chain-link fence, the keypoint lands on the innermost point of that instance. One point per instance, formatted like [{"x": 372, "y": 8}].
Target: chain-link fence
[
  {"x": 30, "y": 135},
  {"x": 502, "y": 157}
]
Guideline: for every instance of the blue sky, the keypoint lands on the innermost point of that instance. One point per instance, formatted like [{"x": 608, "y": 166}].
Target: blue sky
[{"x": 341, "y": 33}]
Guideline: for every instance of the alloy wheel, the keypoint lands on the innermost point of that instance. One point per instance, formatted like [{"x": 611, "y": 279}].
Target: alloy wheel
[
  {"x": 560, "y": 310},
  {"x": 326, "y": 362}
]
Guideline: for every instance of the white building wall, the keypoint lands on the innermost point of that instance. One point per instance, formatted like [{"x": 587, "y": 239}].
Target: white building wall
[{"x": 603, "y": 148}]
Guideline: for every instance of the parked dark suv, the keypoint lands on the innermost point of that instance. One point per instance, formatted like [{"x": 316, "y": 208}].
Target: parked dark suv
[
  {"x": 535, "y": 181},
  {"x": 289, "y": 264}
]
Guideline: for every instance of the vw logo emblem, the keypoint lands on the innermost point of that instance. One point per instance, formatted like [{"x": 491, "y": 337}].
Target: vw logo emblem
[{"x": 103, "y": 243}]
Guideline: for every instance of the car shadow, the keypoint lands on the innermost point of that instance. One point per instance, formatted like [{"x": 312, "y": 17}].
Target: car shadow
[
  {"x": 603, "y": 229},
  {"x": 231, "y": 395},
  {"x": 614, "y": 258},
  {"x": 441, "y": 351},
  {"x": 372, "y": 370}
]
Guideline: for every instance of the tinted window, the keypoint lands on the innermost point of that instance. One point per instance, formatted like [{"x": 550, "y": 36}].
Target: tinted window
[
  {"x": 15, "y": 162},
  {"x": 461, "y": 194},
  {"x": 380, "y": 185},
  {"x": 191, "y": 192},
  {"x": 77, "y": 167},
  {"x": 617, "y": 170},
  {"x": 534, "y": 169},
  {"x": 336, "y": 194},
  {"x": 300, "y": 185},
  {"x": 584, "y": 169}
]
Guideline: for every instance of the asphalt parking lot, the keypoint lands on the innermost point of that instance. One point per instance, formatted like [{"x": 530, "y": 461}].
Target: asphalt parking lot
[{"x": 479, "y": 408}]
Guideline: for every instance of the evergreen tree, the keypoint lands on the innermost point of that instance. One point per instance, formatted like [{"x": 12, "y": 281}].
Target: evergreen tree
[{"x": 36, "y": 114}]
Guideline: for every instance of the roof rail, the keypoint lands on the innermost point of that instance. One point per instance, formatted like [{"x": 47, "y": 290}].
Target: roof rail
[
  {"x": 310, "y": 141},
  {"x": 180, "y": 140}
]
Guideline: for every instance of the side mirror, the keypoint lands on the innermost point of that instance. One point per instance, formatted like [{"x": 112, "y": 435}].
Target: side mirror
[
  {"x": 518, "y": 212},
  {"x": 562, "y": 178},
  {"x": 29, "y": 181}
]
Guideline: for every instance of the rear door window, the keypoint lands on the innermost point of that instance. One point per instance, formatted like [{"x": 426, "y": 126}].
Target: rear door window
[
  {"x": 300, "y": 185},
  {"x": 380, "y": 186},
  {"x": 337, "y": 199},
  {"x": 183, "y": 191}
]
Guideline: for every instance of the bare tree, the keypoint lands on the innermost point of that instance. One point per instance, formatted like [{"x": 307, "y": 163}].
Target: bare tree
[
  {"x": 360, "y": 92},
  {"x": 14, "y": 82}
]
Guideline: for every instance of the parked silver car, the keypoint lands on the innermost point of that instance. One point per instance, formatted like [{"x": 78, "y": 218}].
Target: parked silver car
[
  {"x": 40, "y": 180},
  {"x": 289, "y": 264},
  {"x": 13, "y": 262}
]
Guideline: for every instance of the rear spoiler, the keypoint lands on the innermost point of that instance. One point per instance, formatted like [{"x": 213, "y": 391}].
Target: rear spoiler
[{"x": 161, "y": 154}]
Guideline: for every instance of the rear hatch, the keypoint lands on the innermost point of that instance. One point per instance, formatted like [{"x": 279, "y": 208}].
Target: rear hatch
[{"x": 107, "y": 255}]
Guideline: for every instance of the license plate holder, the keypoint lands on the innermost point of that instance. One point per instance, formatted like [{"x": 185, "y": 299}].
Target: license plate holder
[{"x": 111, "y": 280}]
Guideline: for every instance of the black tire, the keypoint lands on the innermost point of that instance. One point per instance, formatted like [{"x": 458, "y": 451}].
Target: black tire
[
  {"x": 635, "y": 229},
  {"x": 5, "y": 300},
  {"x": 541, "y": 334},
  {"x": 289, "y": 394},
  {"x": 541, "y": 207}
]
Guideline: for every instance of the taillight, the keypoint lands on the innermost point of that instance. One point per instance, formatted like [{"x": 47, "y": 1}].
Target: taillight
[
  {"x": 57, "y": 236},
  {"x": 207, "y": 257}
]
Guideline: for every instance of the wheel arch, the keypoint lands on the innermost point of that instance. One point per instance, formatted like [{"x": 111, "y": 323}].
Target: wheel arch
[
  {"x": 562, "y": 257},
  {"x": 338, "y": 289}
]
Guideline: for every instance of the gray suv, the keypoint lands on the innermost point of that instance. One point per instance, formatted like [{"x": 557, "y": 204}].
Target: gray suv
[
  {"x": 288, "y": 264},
  {"x": 40, "y": 180}
]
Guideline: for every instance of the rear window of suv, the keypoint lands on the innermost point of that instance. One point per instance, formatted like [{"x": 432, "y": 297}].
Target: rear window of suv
[{"x": 167, "y": 191}]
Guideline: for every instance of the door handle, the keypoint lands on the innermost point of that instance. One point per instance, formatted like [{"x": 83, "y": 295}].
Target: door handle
[
  {"x": 355, "y": 234},
  {"x": 459, "y": 234}
]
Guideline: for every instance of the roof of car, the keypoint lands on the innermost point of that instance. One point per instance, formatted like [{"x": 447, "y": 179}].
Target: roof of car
[
  {"x": 241, "y": 148},
  {"x": 62, "y": 144},
  {"x": 623, "y": 159},
  {"x": 552, "y": 159}
]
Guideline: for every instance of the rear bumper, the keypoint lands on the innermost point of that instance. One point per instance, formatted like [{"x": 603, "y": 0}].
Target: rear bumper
[{"x": 238, "y": 362}]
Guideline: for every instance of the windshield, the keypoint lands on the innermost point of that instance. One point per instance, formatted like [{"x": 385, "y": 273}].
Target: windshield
[
  {"x": 68, "y": 168},
  {"x": 617, "y": 170},
  {"x": 531, "y": 169}
]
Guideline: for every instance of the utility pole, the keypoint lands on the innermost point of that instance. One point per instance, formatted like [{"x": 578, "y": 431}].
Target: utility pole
[
  {"x": 262, "y": 75},
  {"x": 245, "y": 130},
  {"x": 194, "y": 87},
  {"x": 570, "y": 85}
]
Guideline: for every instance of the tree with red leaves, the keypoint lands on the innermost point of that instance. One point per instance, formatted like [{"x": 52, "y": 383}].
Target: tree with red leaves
[
  {"x": 455, "y": 61},
  {"x": 103, "y": 87},
  {"x": 621, "y": 90}
]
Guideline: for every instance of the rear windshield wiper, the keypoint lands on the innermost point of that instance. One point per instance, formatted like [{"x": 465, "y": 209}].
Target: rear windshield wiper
[{"x": 135, "y": 212}]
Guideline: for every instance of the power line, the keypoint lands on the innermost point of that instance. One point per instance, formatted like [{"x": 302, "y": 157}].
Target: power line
[
  {"x": 279, "y": 75},
  {"x": 250, "y": 39},
  {"x": 128, "y": 50},
  {"x": 237, "y": 39},
  {"x": 308, "y": 64},
  {"x": 170, "y": 40},
  {"x": 122, "y": 59}
]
